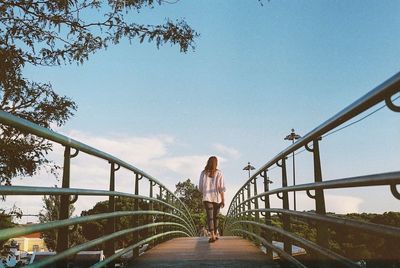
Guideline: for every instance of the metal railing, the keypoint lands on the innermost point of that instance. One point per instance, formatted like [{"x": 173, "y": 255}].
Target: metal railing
[
  {"x": 251, "y": 217},
  {"x": 166, "y": 215}
]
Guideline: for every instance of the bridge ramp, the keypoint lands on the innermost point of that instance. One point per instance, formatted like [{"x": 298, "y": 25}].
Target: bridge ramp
[{"x": 228, "y": 251}]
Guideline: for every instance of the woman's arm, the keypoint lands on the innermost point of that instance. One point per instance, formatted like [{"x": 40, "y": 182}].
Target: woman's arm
[{"x": 221, "y": 190}]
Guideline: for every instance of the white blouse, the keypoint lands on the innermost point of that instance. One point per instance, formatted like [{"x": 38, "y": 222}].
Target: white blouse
[{"x": 211, "y": 188}]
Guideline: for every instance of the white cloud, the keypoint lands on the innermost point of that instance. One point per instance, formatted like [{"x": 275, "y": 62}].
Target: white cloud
[
  {"x": 137, "y": 150},
  {"x": 185, "y": 166},
  {"x": 229, "y": 152},
  {"x": 150, "y": 154}
]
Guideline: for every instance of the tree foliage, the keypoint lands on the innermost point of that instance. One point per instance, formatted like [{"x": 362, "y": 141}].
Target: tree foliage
[
  {"x": 49, "y": 33},
  {"x": 354, "y": 244},
  {"x": 191, "y": 196},
  {"x": 6, "y": 222},
  {"x": 50, "y": 213},
  {"x": 53, "y": 32},
  {"x": 95, "y": 229}
]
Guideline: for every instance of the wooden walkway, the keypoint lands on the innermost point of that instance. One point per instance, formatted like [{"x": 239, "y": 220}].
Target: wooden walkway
[{"x": 228, "y": 251}]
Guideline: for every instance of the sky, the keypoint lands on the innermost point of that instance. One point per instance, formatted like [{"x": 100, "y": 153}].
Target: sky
[{"x": 257, "y": 71}]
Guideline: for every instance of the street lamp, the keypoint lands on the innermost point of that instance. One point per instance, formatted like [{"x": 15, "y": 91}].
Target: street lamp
[
  {"x": 292, "y": 137},
  {"x": 249, "y": 167}
]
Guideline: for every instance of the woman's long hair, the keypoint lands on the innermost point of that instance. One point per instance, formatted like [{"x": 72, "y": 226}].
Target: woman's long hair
[{"x": 211, "y": 167}]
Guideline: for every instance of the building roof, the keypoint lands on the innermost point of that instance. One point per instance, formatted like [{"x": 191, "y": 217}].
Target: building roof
[{"x": 33, "y": 235}]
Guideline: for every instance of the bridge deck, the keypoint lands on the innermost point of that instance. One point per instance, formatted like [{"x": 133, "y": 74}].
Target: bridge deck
[{"x": 228, "y": 251}]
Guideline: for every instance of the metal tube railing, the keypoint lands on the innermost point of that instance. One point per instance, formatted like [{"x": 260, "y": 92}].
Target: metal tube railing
[
  {"x": 94, "y": 242},
  {"x": 307, "y": 244},
  {"x": 389, "y": 178},
  {"x": 244, "y": 219},
  {"x": 32, "y": 228},
  {"x": 30, "y": 190},
  {"x": 375, "y": 96},
  {"x": 367, "y": 227},
  {"x": 27, "y": 126},
  {"x": 170, "y": 207}
]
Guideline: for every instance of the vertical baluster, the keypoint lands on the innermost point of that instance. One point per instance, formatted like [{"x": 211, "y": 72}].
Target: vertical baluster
[
  {"x": 267, "y": 215},
  {"x": 255, "y": 202},
  {"x": 151, "y": 207},
  {"x": 110, "y": 244},
  {"x": 167, "y": 228},
  {"x": 238, "y": 209},
  {"x": 285, "y": 204},
  {"x": 249, "y": 214},
  {"x": 62, "y": 237},
  {"x": 243, "y": 208},
  {"x": 322, "y": 229},
  {"x": 136, "y": 217},
  {"x": 162, "y": 218}
]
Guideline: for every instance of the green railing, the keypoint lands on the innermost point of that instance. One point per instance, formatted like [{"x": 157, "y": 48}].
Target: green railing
[
  {"x": 249, "y": 213},
  {"x": 172, "y": 216}
]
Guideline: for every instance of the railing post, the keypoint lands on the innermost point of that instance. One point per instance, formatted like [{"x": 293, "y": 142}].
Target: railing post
[
  {"x": 322, "y": 229},
  {"x": 267, "y": 215},
  {"x": 249, "y": 214},
  {"x": 256, "y": 203},
  {"x": 110, "y": 244},
  {"x": 162, "y": 218},
  {"x": 151, "y": 207},
  {"x": 285, "y": 205},
  {"x": 243, "y": 215},
  {"x": 136, "y": 235},
  {"x": 167, "y": 228},
  {"x": 62, "y": 237}
]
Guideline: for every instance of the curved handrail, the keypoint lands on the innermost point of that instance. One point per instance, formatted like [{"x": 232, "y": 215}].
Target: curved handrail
[
  {"x": 378, "y": 94},
  {"x": 280, "y": 252},
  {"x": 130, "y": 248},
  {"x": 94, "y": 242},
  {"x": 359, "y": 181},
  {"x": 40, "y": 227},
  {"x": 31, "y": 190},
  {"x": 25, "y": 125},
  {"x": 305, "y": 243},
  {"x": 168, "y": 203},
  {"x": 244, "y": 211}
]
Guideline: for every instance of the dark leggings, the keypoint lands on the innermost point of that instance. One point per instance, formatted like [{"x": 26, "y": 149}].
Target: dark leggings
[{"x": 212, "y": 210}]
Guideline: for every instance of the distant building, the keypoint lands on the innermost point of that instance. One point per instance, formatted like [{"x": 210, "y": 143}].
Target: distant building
[{"x": 30, "y": 243}]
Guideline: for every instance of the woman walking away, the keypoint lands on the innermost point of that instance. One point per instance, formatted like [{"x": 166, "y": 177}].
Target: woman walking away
[{"x": 212, "y": 186}]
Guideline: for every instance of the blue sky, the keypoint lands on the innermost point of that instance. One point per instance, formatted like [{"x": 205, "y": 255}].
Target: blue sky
[{"x": 257, "y": 71}]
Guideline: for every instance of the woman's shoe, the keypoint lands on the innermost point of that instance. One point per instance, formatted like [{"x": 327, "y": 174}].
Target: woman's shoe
[{"x": 211, "y": 240}]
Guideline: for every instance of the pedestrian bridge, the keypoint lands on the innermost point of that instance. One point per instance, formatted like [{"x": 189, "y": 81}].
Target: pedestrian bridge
[
  {"x": 161, "y": 222},
  {"x": 228, "y": 251}
]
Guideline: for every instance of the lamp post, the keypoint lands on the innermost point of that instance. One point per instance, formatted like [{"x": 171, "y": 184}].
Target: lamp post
[
  {"x": 249, "y": 167},
  {"x": 292, "y": 137}
]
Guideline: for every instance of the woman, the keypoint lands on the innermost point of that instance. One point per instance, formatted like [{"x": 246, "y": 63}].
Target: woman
[{"x": 211, "y": 185}]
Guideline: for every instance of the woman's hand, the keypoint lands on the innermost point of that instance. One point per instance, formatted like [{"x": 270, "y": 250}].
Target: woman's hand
[{"x": 222, "y": 204}]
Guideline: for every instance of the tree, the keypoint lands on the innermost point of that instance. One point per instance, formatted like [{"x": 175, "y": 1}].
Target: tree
[
  {"x": 51, "y": 213},
  {"x": 6, "y": 222},
  {"x": 192, "y": 198},
  {"x": 190, "y": 195},
  {"x": 95, "y": 229},
  {"x": 49, "y": 33}
]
